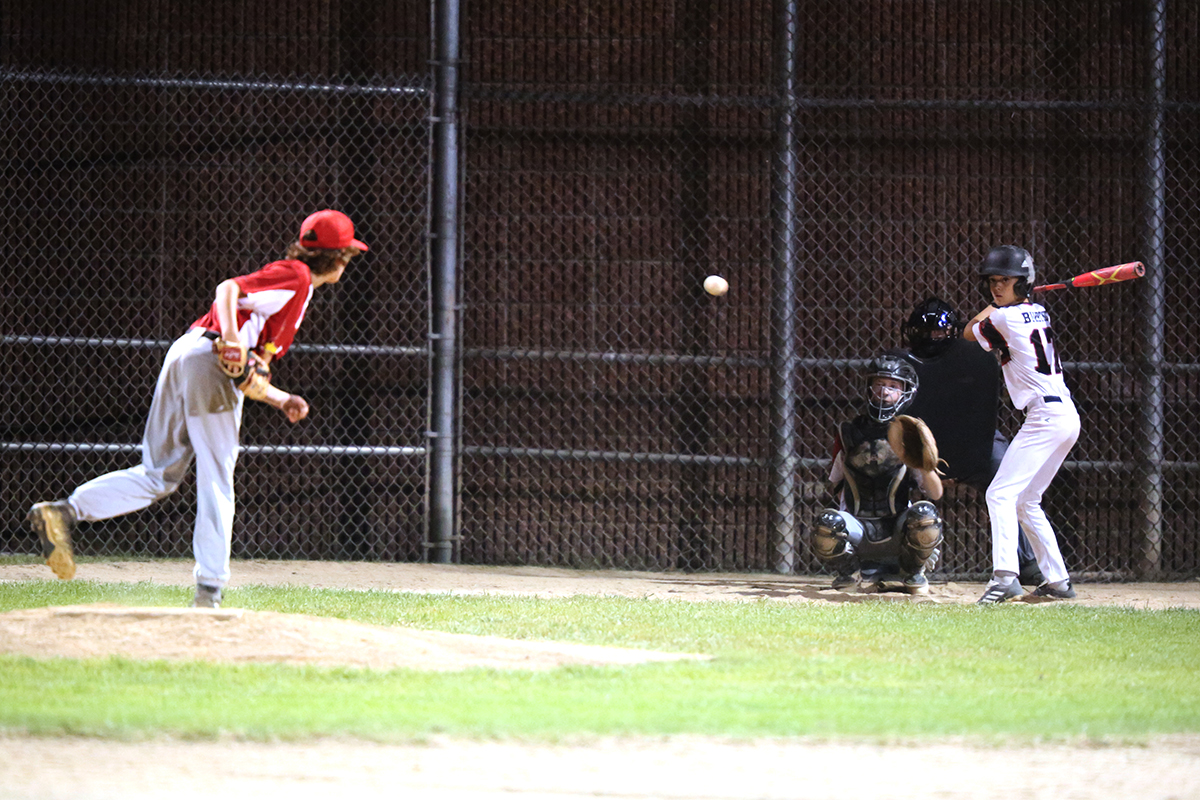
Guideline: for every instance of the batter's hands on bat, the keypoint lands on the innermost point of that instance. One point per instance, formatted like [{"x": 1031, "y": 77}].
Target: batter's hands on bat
[
  {"x": 231, "y": 355},
  {"x": 295, "y": 407}
]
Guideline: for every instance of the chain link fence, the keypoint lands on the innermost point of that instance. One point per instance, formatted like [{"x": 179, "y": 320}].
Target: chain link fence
[{"x": 836, "y": 162}]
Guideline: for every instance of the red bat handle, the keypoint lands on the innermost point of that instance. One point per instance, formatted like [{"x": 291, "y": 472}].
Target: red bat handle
[{"x": 1099, "y": 277}]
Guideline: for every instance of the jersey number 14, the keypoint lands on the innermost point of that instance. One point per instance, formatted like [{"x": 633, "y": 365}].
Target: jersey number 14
[{"x": 1042, "y": 340}]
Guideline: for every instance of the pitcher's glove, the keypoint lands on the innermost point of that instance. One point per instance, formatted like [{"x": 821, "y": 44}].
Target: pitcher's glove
[
  {"x": 231, "y": 356},
  {"x": 255, "y": 380},
  {"x": 913, "y": 442}
]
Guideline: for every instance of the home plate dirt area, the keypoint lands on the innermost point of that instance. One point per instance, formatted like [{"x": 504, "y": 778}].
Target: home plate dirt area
[{"x": 630, "y": 768}]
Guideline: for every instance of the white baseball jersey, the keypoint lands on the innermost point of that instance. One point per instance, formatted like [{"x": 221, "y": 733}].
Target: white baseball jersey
[{"x": 1021, "y": 335}]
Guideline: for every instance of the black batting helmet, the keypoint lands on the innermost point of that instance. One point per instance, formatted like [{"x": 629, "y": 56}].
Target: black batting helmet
[
  {"x": 889, "y": 366},
  {"x": 1012, "y": 262},
  {"x": 932, "y": 327}
]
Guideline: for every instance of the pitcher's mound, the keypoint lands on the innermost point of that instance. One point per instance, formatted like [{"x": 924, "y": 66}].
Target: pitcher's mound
[{"x": 242, "y": 636}]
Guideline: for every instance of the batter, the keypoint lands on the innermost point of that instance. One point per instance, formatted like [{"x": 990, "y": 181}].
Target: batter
[
  {"x": 959, "y": 398},
  {"x": 1018, "y": 331}
]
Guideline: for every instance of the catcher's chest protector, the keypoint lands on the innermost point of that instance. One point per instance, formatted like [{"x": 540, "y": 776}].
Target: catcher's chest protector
[
  {"x": 877, "y": 483},
  {"x": 958, "y": 398}
]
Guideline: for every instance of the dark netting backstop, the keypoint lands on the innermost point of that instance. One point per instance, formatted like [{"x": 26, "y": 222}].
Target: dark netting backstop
[{"x": 525, "y": 369}]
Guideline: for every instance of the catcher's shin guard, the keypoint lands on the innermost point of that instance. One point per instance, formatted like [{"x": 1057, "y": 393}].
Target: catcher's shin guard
[
  {"x": 833, "y": 547},
  {"x": 829, "y": 537},
  {"x": 922, "y": 536}
]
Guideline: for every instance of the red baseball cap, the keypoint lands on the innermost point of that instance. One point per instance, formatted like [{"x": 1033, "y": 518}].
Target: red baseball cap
[{"x": 329, "y": 230}]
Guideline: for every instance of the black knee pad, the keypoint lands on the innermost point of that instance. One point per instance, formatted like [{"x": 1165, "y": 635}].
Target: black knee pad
[
  {"x": 922, "y": 536},
  {"x": 829, "y": 537}
]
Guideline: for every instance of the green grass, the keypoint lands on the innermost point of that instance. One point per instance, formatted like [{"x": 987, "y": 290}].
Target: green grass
[{"x": 875, "y": 670}]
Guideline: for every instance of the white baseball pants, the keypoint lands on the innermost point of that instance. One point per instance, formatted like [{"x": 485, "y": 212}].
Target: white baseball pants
[
  {"x": 195, "y": 416},
  {"x": 1037, "y": 451}
]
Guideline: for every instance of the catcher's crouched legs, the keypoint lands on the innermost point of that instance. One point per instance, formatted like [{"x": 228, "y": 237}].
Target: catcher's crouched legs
[
  {"x": 920, "y": 545},
  {"x": 831, "y": 542}
]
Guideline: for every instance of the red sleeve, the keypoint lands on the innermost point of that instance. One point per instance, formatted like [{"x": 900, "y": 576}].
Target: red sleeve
[
  {"x": 262, "y": 293},
  {"x": 276, "y": 275}
]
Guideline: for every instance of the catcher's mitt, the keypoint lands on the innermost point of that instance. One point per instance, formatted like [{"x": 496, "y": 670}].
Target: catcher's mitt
[
  {"x": 255, "y": 380},
  {"x": 913, "y": 442}
]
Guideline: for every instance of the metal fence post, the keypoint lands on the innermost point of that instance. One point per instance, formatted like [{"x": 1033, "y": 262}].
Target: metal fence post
[
  {"x": 1150, "y": 456},
  {"x": 444, "y": 281},
  {"x": 784, "y": 360}
]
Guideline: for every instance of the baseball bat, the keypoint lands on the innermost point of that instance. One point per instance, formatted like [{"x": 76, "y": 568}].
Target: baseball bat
[{"x": 1099, "y": 277}]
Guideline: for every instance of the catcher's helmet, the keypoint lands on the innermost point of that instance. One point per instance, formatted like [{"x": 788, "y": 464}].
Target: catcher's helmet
[
  {"x": 888, "y": 366},
  {"x": 931, "y": 328},
  {"x": 1009, "y": 261}
]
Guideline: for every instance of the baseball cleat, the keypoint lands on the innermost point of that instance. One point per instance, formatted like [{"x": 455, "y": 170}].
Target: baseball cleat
[
  {"x": 1047, "y": 591},
  {"x": 207, "y": 596},
  {"x": 996, "y": 592},
  {"x": 53, "y": 523},
  {"x": 845, "y": 581},
  {"x": 916, "y": 584},
  {"x": 870, "y": 580}
]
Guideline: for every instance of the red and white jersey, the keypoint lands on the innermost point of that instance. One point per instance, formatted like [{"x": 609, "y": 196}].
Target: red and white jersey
[
  {"x": 1022, "y": 337},
  {"x": 271, "y": 306}
]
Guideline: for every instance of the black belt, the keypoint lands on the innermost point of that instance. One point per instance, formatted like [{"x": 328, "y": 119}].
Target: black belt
[
  {"x": 1047, "y": 399},
  {"x": 214, "y": 336}
]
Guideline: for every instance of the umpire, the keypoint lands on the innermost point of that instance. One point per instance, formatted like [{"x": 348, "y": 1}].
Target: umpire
[{"x": 959, "y": 398}]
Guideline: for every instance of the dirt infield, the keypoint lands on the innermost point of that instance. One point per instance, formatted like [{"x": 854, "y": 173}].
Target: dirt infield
[
  {"x": 697, "y": 768},
  {"x": 667, "y": 768},
  {"x": 550, "y": 582},
  {"x": 238, "y": 636}
]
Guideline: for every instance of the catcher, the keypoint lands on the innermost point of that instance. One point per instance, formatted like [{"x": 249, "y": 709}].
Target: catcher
[
  {"x": 881, "y": 460},
  {"x": 196, "y": 414}
]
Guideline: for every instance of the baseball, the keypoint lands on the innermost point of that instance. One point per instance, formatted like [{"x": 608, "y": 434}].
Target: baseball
[{"x": 716, "y": 285}]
